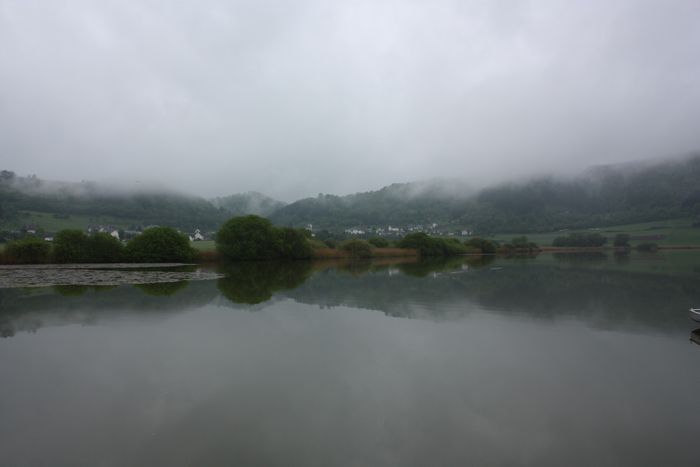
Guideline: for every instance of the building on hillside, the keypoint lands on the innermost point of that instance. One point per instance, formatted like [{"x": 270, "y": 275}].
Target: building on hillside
[{"x": 115, "y": 234}]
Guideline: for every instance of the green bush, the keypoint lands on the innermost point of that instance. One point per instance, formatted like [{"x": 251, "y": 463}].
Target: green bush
[
  {"x": 74, "y": 246},
  {"x": 431, "y": 246},
  {"x": 486, "y": 247},
  {"x": 255, "y": 238},
  {"x": 159, "y": 245},
  {"x": 357, "y": 248},
  {"x": 379, "y": 242},
  {"x": 27, "y": 251},
  {"x": 292, "y": 243},
  {"x": 247, "y": 238},
  {"x": 104, "y": 248},
  {"x": 71, "y": 246}
]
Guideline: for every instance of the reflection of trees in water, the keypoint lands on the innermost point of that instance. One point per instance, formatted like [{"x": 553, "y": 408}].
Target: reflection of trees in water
[
  {"x": 27, "y": 310},
  {"x": 607, "y": 298},
  {"x": 586, "y": 257},
  {"x": 77, "y": 290},
  {"x": 255, "y": 282},
  {"x": 434, "y": 265},
  {"x": 160, "y": 289}
]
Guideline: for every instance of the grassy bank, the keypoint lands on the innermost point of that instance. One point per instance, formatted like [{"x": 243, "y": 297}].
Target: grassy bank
[{"x": 668, "y": 233}]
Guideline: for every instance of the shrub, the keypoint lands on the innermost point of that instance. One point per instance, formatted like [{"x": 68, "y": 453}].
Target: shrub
[
  {"x": 357, "y": 248},
  {"x": 292, "y": 244},
  {"x": 27, "y": 251},
  {"x": 331, "y": 243},
  {"x": 430, "y": 246},
  {"x": 247, "y": 238},
  {"x": 159, "y": 245},
  {"x": 103, "y": 248},
  {"x": 487, "y": 247},
  {"x": 379, "y": 242},
  {"x": 254, "y": 238},
  {"x": 74, "y": 246},
  {"x": 71, "y": 246}
]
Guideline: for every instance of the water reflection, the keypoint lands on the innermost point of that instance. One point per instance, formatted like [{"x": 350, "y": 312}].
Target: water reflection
[
  {"x": 591, "y": 288},
  {"x": 695, "y": 336},
  {"x": 536, "y": 354},
  {"x": 255, "y": 282}
]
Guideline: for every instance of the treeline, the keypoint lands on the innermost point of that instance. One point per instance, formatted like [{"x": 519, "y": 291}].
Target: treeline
[
  {"x": 256, "y": 238},
  {"x": 603, "y": 196},
  {"x": 154, "y": 245}
]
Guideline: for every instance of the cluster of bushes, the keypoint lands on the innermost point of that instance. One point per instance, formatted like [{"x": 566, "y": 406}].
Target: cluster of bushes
[
  {"x": 487, "y": 247},
  {"x": 155, "y": 245},
  {"x": 432, "y": 246},
  {"x": 255, "y": 238},
  {"x": 580, "y": 240},
  {"x": 520, "y": 245}
]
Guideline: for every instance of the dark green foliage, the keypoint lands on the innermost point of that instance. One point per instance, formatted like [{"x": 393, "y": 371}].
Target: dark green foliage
[
  {"x": 71, "y": 246},
  {"x": 648, "y": 247},
  {"x": 74, "y": 246},
  {"x": 159, "y": 245},
  {"x": 487, "y": 247},
  {"x": 29, "y": 250},
  {"x": 247, "y": 238},
  {"x": 255, "y": 238},
  {"x": 600, "y": 197},
  {"x": 24, "y": 194},
  {"x": 292, "y": 243},
  {"x": 431, "y": 246},
  {"x": 105, "y": 249},
  {"x": 379, "y": 242},
  {"x": 580, "y": 240},
  {"x": 622, "y": 240},
  {"x": 331, "y": 243},
  {"x": 519, "y": 246},
  {"x": 357, "y": 248}
]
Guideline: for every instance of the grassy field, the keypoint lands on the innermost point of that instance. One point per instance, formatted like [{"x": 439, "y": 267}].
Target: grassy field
[
  {"x": 204, "y": 245},
  {"x": 52, "y": 223},
  {"x": 669, "y": 233}
]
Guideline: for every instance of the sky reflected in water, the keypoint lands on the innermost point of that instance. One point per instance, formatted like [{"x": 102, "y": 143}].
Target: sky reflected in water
[{"x": 547, "y": 361}]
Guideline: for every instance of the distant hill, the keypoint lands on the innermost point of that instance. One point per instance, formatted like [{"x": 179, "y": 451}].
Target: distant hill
[
  {"x": 18, "y": 194},
  {"x": 605, "y": 195},
  {"x": 437, "y": 201},
  {"x": 251, "y": 202}
]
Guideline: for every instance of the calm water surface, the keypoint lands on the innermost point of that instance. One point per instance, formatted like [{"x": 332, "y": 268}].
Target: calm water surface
[{"x": 558, "y": 360}]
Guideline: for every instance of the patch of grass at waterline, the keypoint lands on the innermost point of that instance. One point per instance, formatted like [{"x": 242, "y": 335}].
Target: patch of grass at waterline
[
  {"x": 664, "y": 233},
  {"x": 204, "y": 245}
]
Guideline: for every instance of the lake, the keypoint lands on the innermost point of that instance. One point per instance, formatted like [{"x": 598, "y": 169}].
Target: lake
[{"x": 573, "y": 360}]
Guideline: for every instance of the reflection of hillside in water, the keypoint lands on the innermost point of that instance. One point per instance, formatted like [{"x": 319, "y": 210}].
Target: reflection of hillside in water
[{"x": 581, "y": 288}]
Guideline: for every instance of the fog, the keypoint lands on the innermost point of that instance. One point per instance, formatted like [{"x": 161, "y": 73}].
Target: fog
[{"x": 295, "y": 98}]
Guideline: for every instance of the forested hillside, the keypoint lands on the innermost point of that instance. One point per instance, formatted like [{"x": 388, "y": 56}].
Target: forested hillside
[
  {"x": 171, "y": 209},
  {"x": 251, "y": 202},
  {"x": 607, "y": 195}
]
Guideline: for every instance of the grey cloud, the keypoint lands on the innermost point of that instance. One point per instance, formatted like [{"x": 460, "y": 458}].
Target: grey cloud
[{"x": 296, "y": 98}]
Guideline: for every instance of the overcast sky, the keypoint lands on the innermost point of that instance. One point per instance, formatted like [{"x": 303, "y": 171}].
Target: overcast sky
[{"x": 293, "y": 98}]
